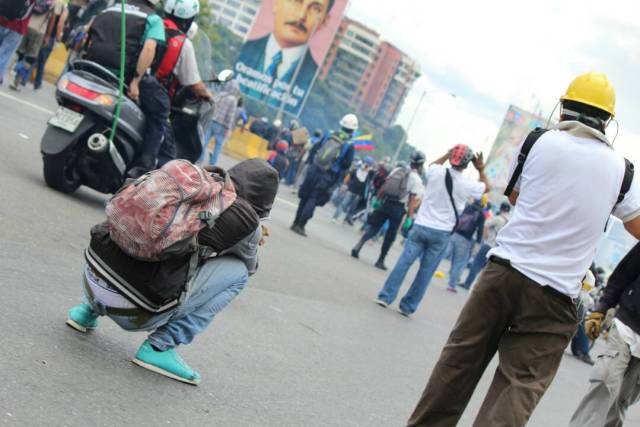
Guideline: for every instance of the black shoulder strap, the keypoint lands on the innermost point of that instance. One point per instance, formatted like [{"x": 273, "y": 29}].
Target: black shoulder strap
[
  {"x": 522, "y": 157},
  {"x": 627, "y": 180},
  {"x": 448, "y": 182}
]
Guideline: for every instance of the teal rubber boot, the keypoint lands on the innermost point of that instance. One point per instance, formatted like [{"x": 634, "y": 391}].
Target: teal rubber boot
[
  {"x": 167, "y": 363},
  {"x": 82, "y": 318}
]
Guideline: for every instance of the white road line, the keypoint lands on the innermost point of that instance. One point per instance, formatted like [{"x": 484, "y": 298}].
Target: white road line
[
  {"x": 29, "y": 104},
  {"x": 286, "y": 202}
]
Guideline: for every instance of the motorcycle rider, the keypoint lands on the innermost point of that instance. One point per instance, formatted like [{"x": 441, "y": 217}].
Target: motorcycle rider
[
  {"x": 144, "y": 33},
  {"x": 177, "y": 67}
]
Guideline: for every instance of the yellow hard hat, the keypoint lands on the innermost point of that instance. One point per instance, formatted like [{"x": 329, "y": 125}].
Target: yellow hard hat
[{"x": 593, "y": 89}]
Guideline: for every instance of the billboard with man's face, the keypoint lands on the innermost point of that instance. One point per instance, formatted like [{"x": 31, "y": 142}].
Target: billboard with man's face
[{"x": 285, "y": 48}]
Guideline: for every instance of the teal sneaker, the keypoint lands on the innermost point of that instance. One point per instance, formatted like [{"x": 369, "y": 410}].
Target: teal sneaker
[
  {"x": 82, "y": 318},
  {"x": 167, "y": 363}
]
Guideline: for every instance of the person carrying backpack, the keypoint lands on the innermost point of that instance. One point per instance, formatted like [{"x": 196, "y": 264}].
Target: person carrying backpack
[
  {"x": 447, "y": 192},
  {"x": 399, "y": 195},
  {"x": 328, "y": 162},
  {"x": 173, "y": 253},
  {"x": 565, "y": 184},
  {"x": 471, "y": 222},
  {"x": 14, "y": 24}
]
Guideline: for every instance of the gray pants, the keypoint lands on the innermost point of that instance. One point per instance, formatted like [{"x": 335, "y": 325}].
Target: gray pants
[{"x": 615, "y": 385}]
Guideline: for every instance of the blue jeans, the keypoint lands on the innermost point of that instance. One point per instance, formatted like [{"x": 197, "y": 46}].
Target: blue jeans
[
  {"x": 213, "y": 287},
  {"x": 428, "y": 245},
  {"x": 349, "y": 203},
  {"x": 43, "y": 56},
  {"x": 9, "y": 42},
  {"x": 580, "y": 342},
  {"x": 477, "y": 265},
  {"x": 292, "y": 171},
  {"x": 217, "y": 131},
  {"x": 461, "y": 251}
]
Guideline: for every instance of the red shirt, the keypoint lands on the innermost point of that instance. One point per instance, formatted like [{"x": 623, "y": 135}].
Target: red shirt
[{"x": 18, "y": 25}]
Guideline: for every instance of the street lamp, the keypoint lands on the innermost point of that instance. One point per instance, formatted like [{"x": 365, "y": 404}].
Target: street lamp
[{"x": 415, "y": 113}]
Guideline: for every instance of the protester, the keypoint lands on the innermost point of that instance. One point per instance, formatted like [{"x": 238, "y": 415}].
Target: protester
[
  {"x": 446, "y": 194},
  {"x": 14, "y": 24},
  {"x": 522, "y": 305},
  {"x": 223, "y": 120},
  {"x": 356, "y": 182},
  {"x": 53, "y": 35},
  {"x": 215, "y": 283},
  {"x": 278, "y": 158},
  {"x": 241, "y": 114},
  {"x": 471, "y": 222},
  {"x": 491, "y": 229},
  {"x": 274, "y": 133},
  {"x": 328, "y": 161},
  {"x": 580, "y": 342},
  {"x": 614, "y": 381},
  {"x": 145, "y": 31},
  {"x": 398, "y": 195}
]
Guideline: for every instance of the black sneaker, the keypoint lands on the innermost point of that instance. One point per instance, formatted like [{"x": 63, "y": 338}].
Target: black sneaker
[
  {"x": 299, "y": 230},
  {"x": 380, "y": 264},
  {"x": 355, "y": 253}
]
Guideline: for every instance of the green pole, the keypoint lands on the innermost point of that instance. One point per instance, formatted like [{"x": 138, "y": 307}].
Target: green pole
[{"x": 123, "y": 38}]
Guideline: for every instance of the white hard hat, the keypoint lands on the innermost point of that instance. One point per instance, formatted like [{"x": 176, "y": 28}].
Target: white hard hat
[
  {"x": 277, "y": 123},
  {"x": 185, "y": 9},
  {"x": 350, "y": 122}
]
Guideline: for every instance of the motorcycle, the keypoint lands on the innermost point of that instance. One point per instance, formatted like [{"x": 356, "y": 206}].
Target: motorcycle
[{"x": 76, "y": 149}]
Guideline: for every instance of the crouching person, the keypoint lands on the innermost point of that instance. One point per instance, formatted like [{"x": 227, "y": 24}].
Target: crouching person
[{"x": 176, "y": 298}]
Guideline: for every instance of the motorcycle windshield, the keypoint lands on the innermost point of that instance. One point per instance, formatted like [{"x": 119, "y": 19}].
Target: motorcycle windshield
[{"x": 202, "y": 47}]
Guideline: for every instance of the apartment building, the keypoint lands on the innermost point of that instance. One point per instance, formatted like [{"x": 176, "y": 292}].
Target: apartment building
[{"x": 236, "y": 15}]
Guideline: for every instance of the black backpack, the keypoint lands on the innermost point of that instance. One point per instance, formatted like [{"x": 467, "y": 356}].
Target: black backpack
[
  {"x": 396, "y": 186},
  {"x": 15, "y": 9}
]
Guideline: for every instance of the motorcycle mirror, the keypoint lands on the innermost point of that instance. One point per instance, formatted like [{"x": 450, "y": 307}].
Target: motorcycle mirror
[{"x": 224, "y": 76}]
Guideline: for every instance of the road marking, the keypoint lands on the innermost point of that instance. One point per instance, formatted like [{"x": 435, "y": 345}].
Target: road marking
[
  {"x": 23, "y": 136},
  {"x": 27, "y": 103},
  {"x": 286, "y": 202}
]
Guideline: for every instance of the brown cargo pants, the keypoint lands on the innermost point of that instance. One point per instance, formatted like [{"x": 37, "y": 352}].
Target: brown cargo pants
[{"x": 527, "y": 324}]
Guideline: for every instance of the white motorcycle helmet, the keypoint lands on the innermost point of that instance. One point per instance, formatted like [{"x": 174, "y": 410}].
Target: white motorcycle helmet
[
  {"x": 349, "y": 122},
  {"x": 184, "y": 9}
]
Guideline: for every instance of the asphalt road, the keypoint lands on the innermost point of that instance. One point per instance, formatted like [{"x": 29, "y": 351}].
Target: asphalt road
[{"x": 303, "y": 344}]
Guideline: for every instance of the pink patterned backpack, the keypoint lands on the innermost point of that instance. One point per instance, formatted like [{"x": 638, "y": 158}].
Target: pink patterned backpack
[{"x": 159, "y": 215}]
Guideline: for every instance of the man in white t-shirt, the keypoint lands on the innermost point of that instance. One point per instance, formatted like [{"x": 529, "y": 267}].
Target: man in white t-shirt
[
  {"x": 433, "y": 225},
  {"x": 523, "y": 303},
  {"x": 401, "y": 190}
]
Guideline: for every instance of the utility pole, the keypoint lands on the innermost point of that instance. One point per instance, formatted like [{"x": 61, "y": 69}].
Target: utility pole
[{"x": 403, "y": 141}]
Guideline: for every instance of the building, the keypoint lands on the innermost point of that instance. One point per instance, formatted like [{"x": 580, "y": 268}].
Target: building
[
  {"x": 236, "y": 15},
  {"x": 367, "y": 73}
]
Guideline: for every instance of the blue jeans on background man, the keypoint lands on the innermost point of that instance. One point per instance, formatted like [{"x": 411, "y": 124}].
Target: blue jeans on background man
[
  {"x": 477, "y": 265},
  {"x": 580, "y": 341},
  {"x": 461, "y": 252},
  {"x": 43, "y": 56},
  {"x": 213, "y": 287},
  {"x": 9, "y": 42},
  {"x": 347, "y": 206},
  {"x": 218, "y": 133},
  {"x": 426, "y": 244},
  {"x": 292, "y": 171}
]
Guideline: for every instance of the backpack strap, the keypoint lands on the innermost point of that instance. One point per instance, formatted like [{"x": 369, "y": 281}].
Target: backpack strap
[
  {"x": 531, "y": 139},
  {"x": 626, "y": 181},
  {"x": 448, "y": 183}
]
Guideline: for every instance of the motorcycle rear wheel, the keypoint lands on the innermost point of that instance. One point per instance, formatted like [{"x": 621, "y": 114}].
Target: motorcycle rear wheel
[{"x": 59, "y": 172}]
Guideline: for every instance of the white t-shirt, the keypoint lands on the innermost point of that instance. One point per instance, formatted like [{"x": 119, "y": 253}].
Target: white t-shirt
[
  {"x": 568, "y": 187},
  {"x": 186, "y": 68},
  {"x": 436, "y": 211}
]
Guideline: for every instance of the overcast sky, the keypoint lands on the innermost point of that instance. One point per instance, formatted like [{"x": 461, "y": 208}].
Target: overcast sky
[{"x": 494, "y": 53}]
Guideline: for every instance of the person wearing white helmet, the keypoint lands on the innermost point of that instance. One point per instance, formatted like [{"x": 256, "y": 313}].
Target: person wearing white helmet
[
  {"x": 144, "y": 33},
  {"x": 328, "y": 161},
  {"x": 177, "y": 66}
]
